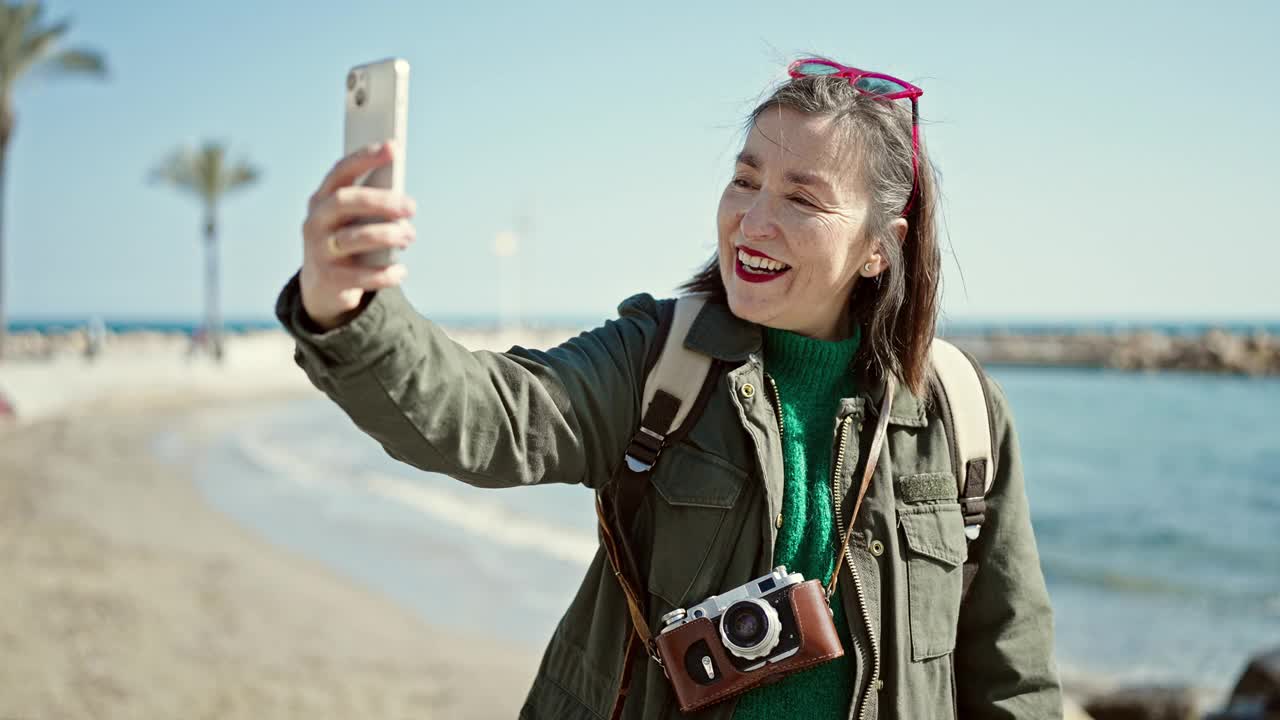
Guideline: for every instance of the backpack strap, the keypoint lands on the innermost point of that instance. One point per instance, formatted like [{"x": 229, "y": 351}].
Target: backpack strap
[
  {"x": 671, "y": 389},
  {"x": 966, "y": 405},
  {"x": 677, "y": 386}
]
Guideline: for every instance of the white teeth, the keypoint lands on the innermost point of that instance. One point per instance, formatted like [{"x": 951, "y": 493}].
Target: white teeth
[{"x": 758, "y": 263}]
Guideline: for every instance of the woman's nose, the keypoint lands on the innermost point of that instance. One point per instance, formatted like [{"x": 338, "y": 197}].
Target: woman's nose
[{"x": 757, "y": 222}]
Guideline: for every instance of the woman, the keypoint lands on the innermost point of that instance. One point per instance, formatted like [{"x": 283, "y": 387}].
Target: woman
[{"x": 824, "y": 291}]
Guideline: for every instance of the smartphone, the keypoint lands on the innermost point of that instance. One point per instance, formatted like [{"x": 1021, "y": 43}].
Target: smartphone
[{"x": 377, "y": 111}]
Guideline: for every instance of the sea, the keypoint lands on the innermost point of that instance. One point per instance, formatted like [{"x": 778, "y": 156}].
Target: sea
[
  {"x": 1155, "y": 500},
  {"x": 962, "y": 327}
]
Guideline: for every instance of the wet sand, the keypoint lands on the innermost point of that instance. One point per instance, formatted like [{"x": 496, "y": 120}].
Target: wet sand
[{"x": 124, "y": 595}]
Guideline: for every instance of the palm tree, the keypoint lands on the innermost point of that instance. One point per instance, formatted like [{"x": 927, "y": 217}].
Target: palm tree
[
  {"x": 208, "y": 173},
  {"x": 27, "y": 43}
]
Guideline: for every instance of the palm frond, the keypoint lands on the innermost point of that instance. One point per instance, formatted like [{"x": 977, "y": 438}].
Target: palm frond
[
  {"x": 15, "y": 27},
  {"x": 26, "y": 42},
  {"x": 242, "y": 175},
  {"x": 30, "y": 12},
  {"x": 19, "y": 18},
  {"x": 38, "y": 43},
  {"x": 177, "y": 169},
  {"x": 85, "y": 62},
  {"x": 206, "y": 172}
]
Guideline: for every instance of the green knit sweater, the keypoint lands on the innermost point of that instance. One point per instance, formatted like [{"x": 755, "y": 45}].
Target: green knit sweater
[{"x": 812, "y": 376}]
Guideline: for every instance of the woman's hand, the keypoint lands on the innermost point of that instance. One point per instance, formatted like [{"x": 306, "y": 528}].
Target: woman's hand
[{"x": 332, "y": 281}]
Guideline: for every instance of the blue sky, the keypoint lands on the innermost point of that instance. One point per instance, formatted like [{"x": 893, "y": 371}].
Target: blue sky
[{"x": 1099, "y": 159}]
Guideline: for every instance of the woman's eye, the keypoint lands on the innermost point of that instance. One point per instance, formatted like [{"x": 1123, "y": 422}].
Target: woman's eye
[{"x": 742, "y": 183}]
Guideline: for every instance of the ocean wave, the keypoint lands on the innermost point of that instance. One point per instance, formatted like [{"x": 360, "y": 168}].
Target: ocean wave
[
  {"x": 482, "y": 518},
  {"x": 1112, "y": 580},
  {"x": 1252, "y": 602},
  {"x": 486, "y": 519},
  {"x": 281, "y": 463}
]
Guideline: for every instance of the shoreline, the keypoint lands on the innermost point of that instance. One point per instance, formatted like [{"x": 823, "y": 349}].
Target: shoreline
[
  {"x": 1215, "y": 351},
  {"x": 127, "y": 594}
]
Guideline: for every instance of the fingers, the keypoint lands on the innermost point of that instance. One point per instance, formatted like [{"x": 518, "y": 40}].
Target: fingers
[
  {"x": 351, "y": 167},
  {"x": 348, "y": 204},
  {"x": 347, "y": 224},
  {"x": 357, "y": 239},
  {"x": 354, "y": 276}
]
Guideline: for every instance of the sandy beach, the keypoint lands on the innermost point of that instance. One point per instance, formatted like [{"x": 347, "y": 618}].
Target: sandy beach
[{"x": 123, "y": 594}]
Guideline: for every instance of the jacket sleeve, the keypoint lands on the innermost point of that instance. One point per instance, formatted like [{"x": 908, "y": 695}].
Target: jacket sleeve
[
  {"x": 1004, "y": 654},
  {"x": 489, "y": 419}
]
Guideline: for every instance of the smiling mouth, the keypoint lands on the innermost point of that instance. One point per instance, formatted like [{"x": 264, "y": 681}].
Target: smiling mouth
[{"x": 752, "y": 266}]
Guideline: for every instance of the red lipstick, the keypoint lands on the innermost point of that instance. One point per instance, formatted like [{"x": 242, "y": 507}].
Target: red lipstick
[{"x": 751, "y": 275}]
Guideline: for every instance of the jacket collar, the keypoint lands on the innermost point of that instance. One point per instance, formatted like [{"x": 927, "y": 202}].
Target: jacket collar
[{"x": 717, "y": 332}]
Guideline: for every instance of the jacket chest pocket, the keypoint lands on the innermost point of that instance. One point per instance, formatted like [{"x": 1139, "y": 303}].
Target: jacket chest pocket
[
  {"x": 935, "y": 553},
  {"x": 692, "y": 500}
]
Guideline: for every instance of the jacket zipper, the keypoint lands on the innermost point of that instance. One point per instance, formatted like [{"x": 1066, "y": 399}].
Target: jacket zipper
[
  {"x": 777, "y": 403},
  {"x": 853, "y": 569}
]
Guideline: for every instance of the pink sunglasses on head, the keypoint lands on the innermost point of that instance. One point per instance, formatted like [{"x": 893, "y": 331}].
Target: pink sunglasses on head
[{"x": 879, "y": 86}]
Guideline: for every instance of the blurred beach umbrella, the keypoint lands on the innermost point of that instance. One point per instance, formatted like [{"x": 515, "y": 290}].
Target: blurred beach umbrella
[
  {"x": 30, "y": 46},
  {"x": 209, "y": 173}
]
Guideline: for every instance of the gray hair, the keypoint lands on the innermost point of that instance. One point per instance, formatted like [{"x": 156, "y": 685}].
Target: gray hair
[{"x": 898, "y": 311}]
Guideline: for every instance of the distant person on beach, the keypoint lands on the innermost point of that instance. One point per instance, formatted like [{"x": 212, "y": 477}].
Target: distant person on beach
[
  {"x": 95, "y": 338},
  {"x": 198, "y": 342},
  {"x": 819, "y": 314}
]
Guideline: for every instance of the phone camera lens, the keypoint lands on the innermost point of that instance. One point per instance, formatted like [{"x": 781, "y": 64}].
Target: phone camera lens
[
  {"x": 360, "y": 97},
  {"x": 351, "y": 81}
]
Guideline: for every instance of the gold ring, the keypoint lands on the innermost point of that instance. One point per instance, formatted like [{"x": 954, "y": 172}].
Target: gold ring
[{"x": 333, "y": 244}]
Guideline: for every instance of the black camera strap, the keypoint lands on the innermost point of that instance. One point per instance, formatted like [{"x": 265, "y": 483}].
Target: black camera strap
[
  {"x": 624, "y": 494},
  {"x": 678, "y": 384}
]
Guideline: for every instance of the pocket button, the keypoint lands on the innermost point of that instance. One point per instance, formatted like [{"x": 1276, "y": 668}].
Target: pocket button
[
  {"x": 748, "y": 390},
  {"x": 877, "y": 548}
]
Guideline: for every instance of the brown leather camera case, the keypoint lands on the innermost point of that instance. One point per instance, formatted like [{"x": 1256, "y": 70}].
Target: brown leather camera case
[{"x": 819, "y": 643}]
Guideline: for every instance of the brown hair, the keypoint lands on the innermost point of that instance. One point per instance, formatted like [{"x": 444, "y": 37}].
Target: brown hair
[{"x": 897, "y": 310}]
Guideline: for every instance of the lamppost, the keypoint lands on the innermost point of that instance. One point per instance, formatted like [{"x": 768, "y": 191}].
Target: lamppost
[{"x": 506, "y": 248}]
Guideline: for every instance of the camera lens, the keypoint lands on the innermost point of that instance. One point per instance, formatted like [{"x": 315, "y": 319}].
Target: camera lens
[
  {"x": 745, "y": 625},
  {"x": 360, "y": 96},
  {"x": 750, "y": 628}
]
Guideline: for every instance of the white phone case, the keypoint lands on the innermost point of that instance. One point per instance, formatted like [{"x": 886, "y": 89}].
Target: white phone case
[{"x": 377, "y": 111}]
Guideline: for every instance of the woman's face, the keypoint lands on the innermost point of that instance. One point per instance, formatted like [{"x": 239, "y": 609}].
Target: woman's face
[{"x": 791, "y": 239}]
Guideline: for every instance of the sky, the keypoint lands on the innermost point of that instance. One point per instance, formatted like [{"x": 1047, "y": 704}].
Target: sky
[{"x": 1098, "y": 159}]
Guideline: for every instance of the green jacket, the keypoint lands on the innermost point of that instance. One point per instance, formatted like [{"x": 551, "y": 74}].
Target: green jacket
[{"x": 708, "y": 523}]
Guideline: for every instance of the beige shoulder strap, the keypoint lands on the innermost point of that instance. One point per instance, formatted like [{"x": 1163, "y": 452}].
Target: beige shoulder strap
[
  {"x": 966, "y": 396},
  {"x": 672, "y": 386},
  {"x": 679, "y": 371}
]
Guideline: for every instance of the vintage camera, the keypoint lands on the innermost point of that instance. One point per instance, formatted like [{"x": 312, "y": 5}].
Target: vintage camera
[
  {"x": 749, "y": 636},
  {"x": 749, "y": 621}
]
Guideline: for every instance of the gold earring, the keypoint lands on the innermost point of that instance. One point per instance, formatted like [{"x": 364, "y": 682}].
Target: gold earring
[{"x": 867, "y": 268}]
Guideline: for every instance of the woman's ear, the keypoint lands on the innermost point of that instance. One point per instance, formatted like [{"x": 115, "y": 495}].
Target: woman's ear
[
  {"x": 877, "y": 261},
  {"x": 875, "y": 264}
]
